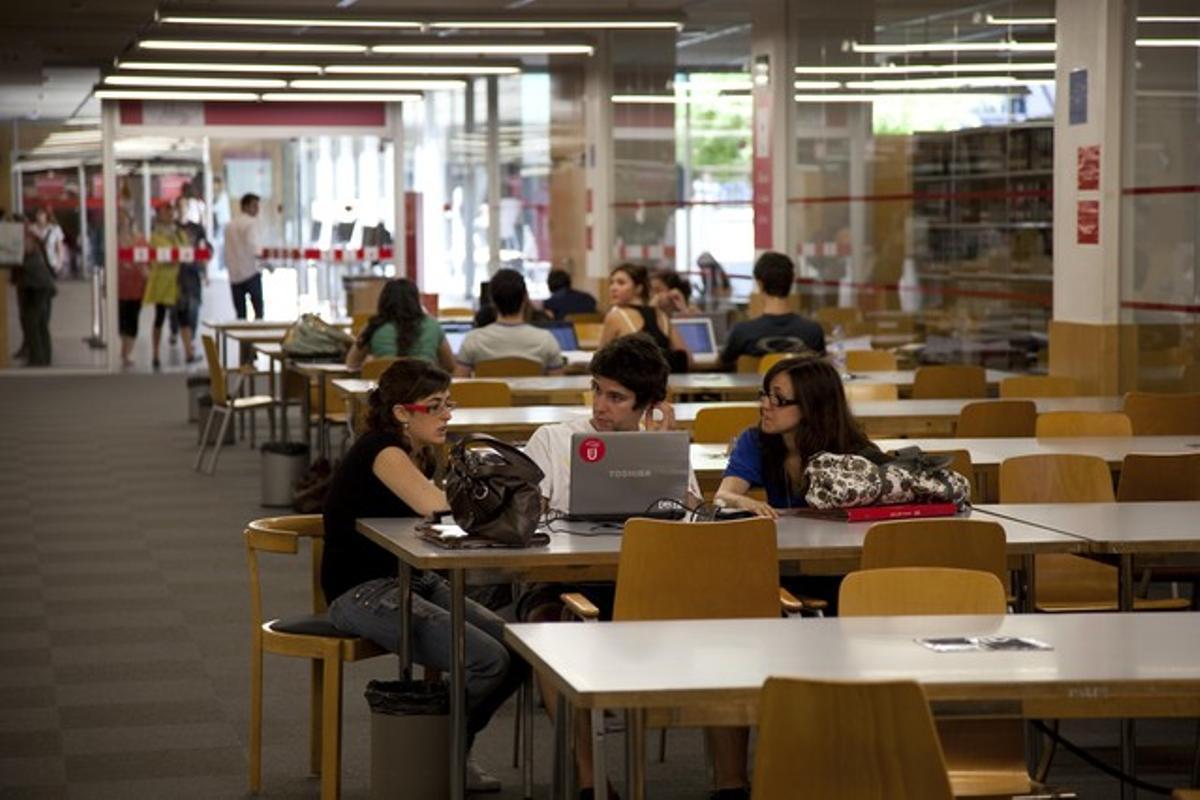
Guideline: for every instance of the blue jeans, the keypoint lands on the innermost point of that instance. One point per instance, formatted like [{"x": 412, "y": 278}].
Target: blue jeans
[{"x": 372, "y": 610}]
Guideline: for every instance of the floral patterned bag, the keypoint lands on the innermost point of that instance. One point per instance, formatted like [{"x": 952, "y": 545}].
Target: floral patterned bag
[{"x": 908, "y": 476}]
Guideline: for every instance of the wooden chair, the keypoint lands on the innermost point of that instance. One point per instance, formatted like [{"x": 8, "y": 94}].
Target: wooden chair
[
  {"x": 480, "y": 394},
  {"x": 309, "y": 636},
  {"x": 1154, "y": 414},
  {"x": 719, "y": 424},
  {"x": 965, "y": 544},
  {"x": 359, "y": 321},
  {"x": 951, "y": 381},
  {"x": 374, "y": 367},
  {"x": 983, "y": 757},
  {"x": 771, "y": 359},
  {"x": 1147, "y": 478},
  {"x": 866, "y": 392},
  {"x": 996, "y": 418},
  {"x": 1066, "y": 582},
  {"x": 851, "y": 741},
  {"x": 226, "y": 404},
  {"x": 1054, "y": 424},
  {"x": 594, "y": 317},
  {"x": 1039, "y": 386},
  {"x": 456, "y": 313},
  {"x": 870, "y": 361},
  {"x": 831, "y": 316},
  {"x": 747, "y": 364},
  {"x": 960, "y": 462},
  {"x": 588, "y": 334},
  {"x": 508, "y": 368}
]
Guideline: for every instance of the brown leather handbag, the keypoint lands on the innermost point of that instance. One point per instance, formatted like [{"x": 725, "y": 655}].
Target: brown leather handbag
[{"x": 493, "y": 491}]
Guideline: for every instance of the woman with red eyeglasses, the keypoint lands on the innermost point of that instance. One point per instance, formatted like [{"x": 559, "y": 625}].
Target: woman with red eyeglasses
[
  {"x": 388, "y": 472},
  {"x": 803, "y": 411}
]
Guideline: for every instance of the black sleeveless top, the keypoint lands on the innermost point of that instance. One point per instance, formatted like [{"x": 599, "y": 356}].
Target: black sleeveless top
[{"x": 677, "y": 359}]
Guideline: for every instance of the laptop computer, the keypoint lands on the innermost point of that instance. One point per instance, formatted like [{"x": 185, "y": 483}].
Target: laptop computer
[
  {"x": 615, "y": 476},
  {"x": 564, "y": 332},
  {"x": 697, "y": 335}
]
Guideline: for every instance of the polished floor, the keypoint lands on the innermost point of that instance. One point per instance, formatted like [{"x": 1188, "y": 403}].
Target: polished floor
[{"x": 124, "y": 630}]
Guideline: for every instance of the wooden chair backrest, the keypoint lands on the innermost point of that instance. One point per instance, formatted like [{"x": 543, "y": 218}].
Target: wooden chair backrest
[
  {"x": 852, "y": 741},
  {"x": 994, "y": 418},
  {"x": 719, "y": 424},
  {"x": 586, "y": 317},
  {"x": 747, "y": 364},
  {"x": 1055, "y": 478},
  {"x": 588, "y": 333},
  {"x": 870, "y": 361},
  {"x": 374, "y": 367},
  {"x": 359, "y": 321},
  {"x": 830, "y": 316},
  {"x": 911, "y": 591},
  {"x": 771, "y": 359},
  {"x": 508, "y": 368},
  {"x": 1147, "y": 477},
  {"x": 216, "y": 371},
  {"x": 1155, "y": 414},
  {"x": 697, "y": 570},
  {"x": 949, "y": 381},
  {"x": 1083, "y": 423},
  {"x": 1039, "y": 386},
  {"x": 871, "y": 391},
  {"x": 480, "y": 394},
  {"x": 282, "y": 535},
  {"x": 972, "y": 544},
  {"x": 456, "y": 312}
]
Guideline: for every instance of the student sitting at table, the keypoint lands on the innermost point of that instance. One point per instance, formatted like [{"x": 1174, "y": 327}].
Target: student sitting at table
[
  {"x": 631, "y": 312},
  {"x": 510, "y": 335},
  {"x": 778, "y": 329},
  {"x": 401, "y": 327},
  {"x": 803, "y": 411},
  {"x": 629, "y": 390},
  {"x": 387, "y": 473}
]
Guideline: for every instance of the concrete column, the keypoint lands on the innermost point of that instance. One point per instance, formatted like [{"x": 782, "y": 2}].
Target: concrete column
[
  {"x": 399, "y": 220},
  {"x": 1091, "y": 133},
  {"x": 598, "y": 122},
  {"x": 493, "y": 173},
  {"x": 771, "y": 66},
  {"x": 108, "y": 166}
]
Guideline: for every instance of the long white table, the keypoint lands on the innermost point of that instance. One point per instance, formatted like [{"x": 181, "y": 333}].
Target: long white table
[
  {"x": 1121, "y": 529},
  {"x": 1102, "y": 665},
  {"x": 799, "y": 540}
]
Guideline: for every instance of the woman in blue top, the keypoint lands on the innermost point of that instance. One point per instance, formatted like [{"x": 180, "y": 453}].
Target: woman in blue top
[
  {"x": 401, "y": 327},
  {"x": 803, "y": 411}
]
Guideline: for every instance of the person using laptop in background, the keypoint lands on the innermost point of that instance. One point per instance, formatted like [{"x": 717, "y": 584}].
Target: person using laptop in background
[
  {"x": 564, "y": 300},
  {"x": 629, "y": 389},
  {"x": 401, "y": 327},
  {"x": 510, "y": 336},
  {"x": 803, "y": 411},
  {"x": 778, "y": 329},
  {"x": 630, "y": 311}
]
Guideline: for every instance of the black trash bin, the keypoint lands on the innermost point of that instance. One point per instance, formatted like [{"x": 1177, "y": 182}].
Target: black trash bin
[
  {"x": 282, "y": 465},
  {"x": 410, "y": 740},
  {"x": 197, "y": 387}
]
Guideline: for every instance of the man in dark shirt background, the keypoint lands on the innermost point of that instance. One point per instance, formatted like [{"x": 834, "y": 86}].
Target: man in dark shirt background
[
  {"x": 564, "y": 300},
  {"x": 779, "y": 329}
]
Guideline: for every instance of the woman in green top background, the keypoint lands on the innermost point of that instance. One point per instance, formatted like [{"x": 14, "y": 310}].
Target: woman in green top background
[{"x": 401, "y": 327}]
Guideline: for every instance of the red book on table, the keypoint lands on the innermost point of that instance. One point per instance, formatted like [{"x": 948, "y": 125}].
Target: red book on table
[{"x": 875, "y": 513}]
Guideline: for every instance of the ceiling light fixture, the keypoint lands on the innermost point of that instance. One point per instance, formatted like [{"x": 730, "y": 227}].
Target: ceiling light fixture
[
  {"x": 873, "y": 98},
  {"x": 1168, "y": 42},
  {"x": 289, "y": 22},
  {"x": 816, "y": 84},
  {"x": 340, "y": 97},
  {"x": 249, "y": 47},
  {"x": 182, "y": 81},
  {"x": 150, "y": 94},
  {"x": 956, "y": 47},
  {"x": 648, "y": 99},
  {"x": 518, "y": 23},
  {"x": 485, "y": 48},
  {"x": 981, "y": 82},
  {"x": 993, "y": 20},
  {"x": 192, "y": 66},
  {"x": 384, "y": 85},
  {"x": 421, "y": 69},
  {"x": 906, "y": 69}
]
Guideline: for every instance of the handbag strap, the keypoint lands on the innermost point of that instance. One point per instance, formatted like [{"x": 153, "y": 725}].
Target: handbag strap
[{"x": 513, "y": 457}]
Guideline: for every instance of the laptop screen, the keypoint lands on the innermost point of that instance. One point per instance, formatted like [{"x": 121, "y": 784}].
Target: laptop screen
[
  {"x": 564, "y": 332},
  {"x": 454, "y": 338},
  {"x": 697, "y": 335}
]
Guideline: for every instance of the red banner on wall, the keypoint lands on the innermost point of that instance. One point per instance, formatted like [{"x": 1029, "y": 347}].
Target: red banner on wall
[
  {"x": 1087, "y": 228},
  {"x": 1088, "y": 167},
  {"x": 762, "y": 180}
]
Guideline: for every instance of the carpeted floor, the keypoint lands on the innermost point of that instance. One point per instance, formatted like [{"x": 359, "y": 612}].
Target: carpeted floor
[{"x": 124, "y": 620}]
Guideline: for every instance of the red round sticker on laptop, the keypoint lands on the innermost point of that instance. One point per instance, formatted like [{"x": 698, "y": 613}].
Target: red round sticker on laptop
[{"x": 591, "y": 450}]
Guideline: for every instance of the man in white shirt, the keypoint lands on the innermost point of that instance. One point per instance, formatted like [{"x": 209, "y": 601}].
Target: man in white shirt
[
  {"x": 241, "y": 258},
  {"x": 510, "y": 336}
]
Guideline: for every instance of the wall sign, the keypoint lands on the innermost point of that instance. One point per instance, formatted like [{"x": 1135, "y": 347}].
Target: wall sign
[
  {"x": 1087, "y": 163},
  {"x": 1077, "y": 86},
  {"x": 1087, "y": 226}
]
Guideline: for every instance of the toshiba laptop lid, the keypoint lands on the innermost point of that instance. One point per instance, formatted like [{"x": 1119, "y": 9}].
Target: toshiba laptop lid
[{"x": 615, "y": 476}]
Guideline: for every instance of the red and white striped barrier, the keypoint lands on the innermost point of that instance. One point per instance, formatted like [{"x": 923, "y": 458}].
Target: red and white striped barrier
[
  {"x": 660, "y": 251},
  {"x": 162, "y": 255},
  {"x": 336, "y": 254},
  {"x": 823, "y": 249}
]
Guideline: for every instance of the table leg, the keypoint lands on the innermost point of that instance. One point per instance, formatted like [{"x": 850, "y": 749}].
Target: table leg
[
  {"x": 599, "y": 771},
  {"x": 306, "y": 411},
  {"x": 283, "y": 397},
  {"x": 1027, "y": 599},
  {"x": 635, "y": 754},
  {"x": 1126, "y": 582},
  {"x": 404, "y": 579},
  {"x": 321, "y": 416},
  {"x": 527, "y": 738},
  {"x": 458, "y": 685},
  {"x": 1128, "y": 762},
  {"x": 561, "y": 745}
]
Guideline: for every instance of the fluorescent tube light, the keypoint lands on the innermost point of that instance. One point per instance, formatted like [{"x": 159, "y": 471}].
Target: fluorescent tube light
[
  {"x": 906, "y": 69},
  {"x": 190, "y": 66},
  {"x": 956, "y": 47},
  {"x": 289, "y": 22},
  {"x": 342, "y": 97},
  {"x": 561, "y": 24},
  {"x": 1168, "y": 42},
  {"x": 992, "y": 20},
  {"x": 250, "y": 47},
  {"x": 649, "y": 99},
  {"x": 150, "y": 94},
  {"x": 871, "y": 97},
  {"x": 487, "y": 49},
  {"x": 1177, "y": 20},
  {"x": 980, "y": 82},
  {"x": 89, "y": 121},
  {"x": 383, "y": 85},
  {"x": 181, "y": 81},
  {"x": 419, "y": 69},
  {"x": 816, "y": 84}
]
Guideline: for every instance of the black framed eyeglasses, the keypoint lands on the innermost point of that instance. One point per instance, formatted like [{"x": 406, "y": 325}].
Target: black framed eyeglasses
[{"x": 774, "y": 400}]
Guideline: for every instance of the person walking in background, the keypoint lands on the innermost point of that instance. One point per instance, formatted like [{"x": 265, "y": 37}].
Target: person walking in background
[
  {"x": 401, "y": 327},
  {"x": 50, "y": 234},
  {"x": 241, "y": 258},
  {"x": 131, "y": 286},
  {"x": 162, "y": 284},
  {"x": 35, "y": 292},
  {"x": 192, "y": 278}
]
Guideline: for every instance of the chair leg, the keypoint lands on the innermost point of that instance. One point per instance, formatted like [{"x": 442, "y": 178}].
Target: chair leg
[
  {"x": 516, "y": 759},
  {"x": 315, "y": 696},
  {"x": 204, "y": 437},
  {"x": 256, "y": 678},
  {"x": 331, "y": 728},
  {"x": 662, "y": 745},
  {"x": 212, "y": 466}
]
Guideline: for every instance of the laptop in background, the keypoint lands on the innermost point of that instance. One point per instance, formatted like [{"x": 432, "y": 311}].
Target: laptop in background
[
  {"x": 615, "y": 476},
  {"x": 564, "y": 332},
  {"x": 697, "y": 335},
  {"x": 455, "y": 339}
]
